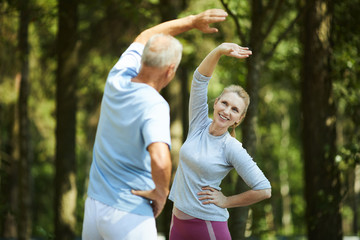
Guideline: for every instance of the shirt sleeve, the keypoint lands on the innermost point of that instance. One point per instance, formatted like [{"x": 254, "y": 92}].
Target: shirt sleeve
[
  {"x": 247, "y": 169},
  {"x": 157, "y": 124},
  {"x": 130, "y": 60},
  {"x": 198, "y": 106}
]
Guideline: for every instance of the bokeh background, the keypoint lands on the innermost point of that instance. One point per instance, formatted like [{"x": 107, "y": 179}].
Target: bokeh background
[{"x": 302, "y": 127}]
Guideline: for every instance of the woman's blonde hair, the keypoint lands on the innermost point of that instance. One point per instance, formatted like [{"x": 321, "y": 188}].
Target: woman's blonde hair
[{"x": 244, "y": 96}]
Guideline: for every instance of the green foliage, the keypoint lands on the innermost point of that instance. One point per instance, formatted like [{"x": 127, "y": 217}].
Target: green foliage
[
  {"x": 105, "y": 30},
  {"x": 346, "y": 88},
  {"x": 41, "y": 232}
]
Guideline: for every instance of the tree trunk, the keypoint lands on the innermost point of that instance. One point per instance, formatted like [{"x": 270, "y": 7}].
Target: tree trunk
[
  {"x": 254, "y": 64},
  {"x": 322, "y": 182},
  {"x": 353, "y": 174},
  {"x": 286, "y": 219},
  {"x": 24, "y": 168},
  {"x": 249, "y": 139},
  {"x": 66, "y": 102},
  {"x": 175, "y": 94},
  {"x": 355, "y": 200},
  {"x": 264, "y": 16},
  {"x": 9, "y": 155}
]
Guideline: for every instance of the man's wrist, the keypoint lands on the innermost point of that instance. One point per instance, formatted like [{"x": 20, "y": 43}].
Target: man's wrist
[
  {"x": 164, "y": 192},
  {"x": 192, "y": 21}
]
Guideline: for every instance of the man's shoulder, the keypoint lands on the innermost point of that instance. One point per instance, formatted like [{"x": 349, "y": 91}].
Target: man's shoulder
[
  {"x": 150, "y": 96},
  {"x": 130, "y": 59},
  {"x": 136, "y": 47}
]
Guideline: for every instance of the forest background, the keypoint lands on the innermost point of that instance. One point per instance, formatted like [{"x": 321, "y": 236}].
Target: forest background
[{"x": 302, "y": 127}]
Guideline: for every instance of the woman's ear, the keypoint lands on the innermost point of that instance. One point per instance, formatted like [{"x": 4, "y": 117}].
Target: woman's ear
[
  {"x": 241, "y": 119},
  {"x": 215, "y": 102}
]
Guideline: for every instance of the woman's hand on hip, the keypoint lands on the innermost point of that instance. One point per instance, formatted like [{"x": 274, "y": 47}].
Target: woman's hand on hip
[{"x": 211, "y": 195}]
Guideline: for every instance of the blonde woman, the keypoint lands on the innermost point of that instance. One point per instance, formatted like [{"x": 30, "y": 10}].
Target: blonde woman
[{"x": 209, "y": 153}]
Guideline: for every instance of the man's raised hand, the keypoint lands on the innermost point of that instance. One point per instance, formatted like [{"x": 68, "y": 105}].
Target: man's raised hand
[{"x": 203, "y": 20}]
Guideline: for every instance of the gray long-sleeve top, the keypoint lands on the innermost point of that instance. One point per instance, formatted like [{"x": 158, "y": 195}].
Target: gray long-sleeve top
[{"x": 206, "y": 159}]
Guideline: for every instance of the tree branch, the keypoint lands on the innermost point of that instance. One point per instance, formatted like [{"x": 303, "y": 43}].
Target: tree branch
[
  {"x": 269, "y": 54},
  {"x": 274, "y": 18},
  {"x": 267, "y": 7},
  {"x": 236, "y": 20}
]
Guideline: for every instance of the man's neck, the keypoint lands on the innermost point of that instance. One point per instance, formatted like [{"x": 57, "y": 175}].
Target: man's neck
[{"x": 153, "y": 77}]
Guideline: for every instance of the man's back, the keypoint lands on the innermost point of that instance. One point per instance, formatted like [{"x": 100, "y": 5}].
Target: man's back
[{"x": 133, "y": 115}]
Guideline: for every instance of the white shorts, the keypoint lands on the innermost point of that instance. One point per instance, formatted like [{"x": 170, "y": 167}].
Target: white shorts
[{"x": 108, "y": 223}]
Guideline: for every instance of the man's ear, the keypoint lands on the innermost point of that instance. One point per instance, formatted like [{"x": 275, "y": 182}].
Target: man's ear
[{"x": 170, "y": 70}]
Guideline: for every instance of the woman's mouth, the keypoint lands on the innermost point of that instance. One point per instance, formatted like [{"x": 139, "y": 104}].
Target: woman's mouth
[{"x": 223, "y": 117}]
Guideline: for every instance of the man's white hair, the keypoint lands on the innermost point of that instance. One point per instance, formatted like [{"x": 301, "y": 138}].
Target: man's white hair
[{"x": 162, "y": 50}]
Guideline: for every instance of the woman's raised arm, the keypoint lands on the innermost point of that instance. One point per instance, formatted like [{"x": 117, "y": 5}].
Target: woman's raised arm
[{"x": 209, "y": 63}]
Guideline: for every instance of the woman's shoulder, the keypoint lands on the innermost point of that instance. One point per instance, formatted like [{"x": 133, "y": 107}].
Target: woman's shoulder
[
  {"x": 234, "y": 147},
  {"x": 232, "y": 142},
  {"x": 196, "y": 128}
]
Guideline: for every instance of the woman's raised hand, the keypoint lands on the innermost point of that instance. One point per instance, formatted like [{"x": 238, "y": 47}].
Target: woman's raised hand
[
  {"x": 209, "y": 63},
  {"x": 234, "y": 50}
]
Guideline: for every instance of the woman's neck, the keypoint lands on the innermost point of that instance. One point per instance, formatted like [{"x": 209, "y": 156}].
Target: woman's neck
[{"x": 215, "y": 131}]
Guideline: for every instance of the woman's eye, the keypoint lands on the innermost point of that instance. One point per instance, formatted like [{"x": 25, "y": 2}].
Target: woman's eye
[
  {"x": 224, "y": 103},
  {"x": 235, "y": 110}
]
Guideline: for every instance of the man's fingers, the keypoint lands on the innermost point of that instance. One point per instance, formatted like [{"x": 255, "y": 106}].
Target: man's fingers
[
  {"x": 141, "y": 193},
  {"x": 157, "y": 203},
  {"x": 216, "y": 19},
  {"x": 208, "y": 17},
  {"x": 211, "y": 30},
  {"x": 157, "y": 209},
  {"x": 216, "y": 13},
  {"x": 205, "y": 28}
]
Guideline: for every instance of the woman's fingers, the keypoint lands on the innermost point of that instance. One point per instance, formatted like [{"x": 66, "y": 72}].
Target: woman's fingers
[
  {"x": 205, "y": 195},
  {"x": 209, "y": 188},
  {"x": 208, "y": 198},
  {"x": 208, "y": 195},
  {"x": 242, "y": 53},
  {"x": 235, "y": 50},
  {"x": 211, "y": 195}
]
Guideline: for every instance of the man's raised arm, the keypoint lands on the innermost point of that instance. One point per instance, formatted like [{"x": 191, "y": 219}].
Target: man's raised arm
[{"x": 199, "y": 21}]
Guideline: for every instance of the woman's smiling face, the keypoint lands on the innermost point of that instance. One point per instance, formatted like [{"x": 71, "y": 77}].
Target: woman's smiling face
[{"x": 228, "y": 110}]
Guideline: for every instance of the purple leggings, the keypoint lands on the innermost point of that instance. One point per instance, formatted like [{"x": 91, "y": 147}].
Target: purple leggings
[{"x": 198, "y": 229}]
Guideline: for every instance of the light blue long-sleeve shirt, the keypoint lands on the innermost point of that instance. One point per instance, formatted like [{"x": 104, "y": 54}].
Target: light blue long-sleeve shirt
[{"x": 133, "y": 115}]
